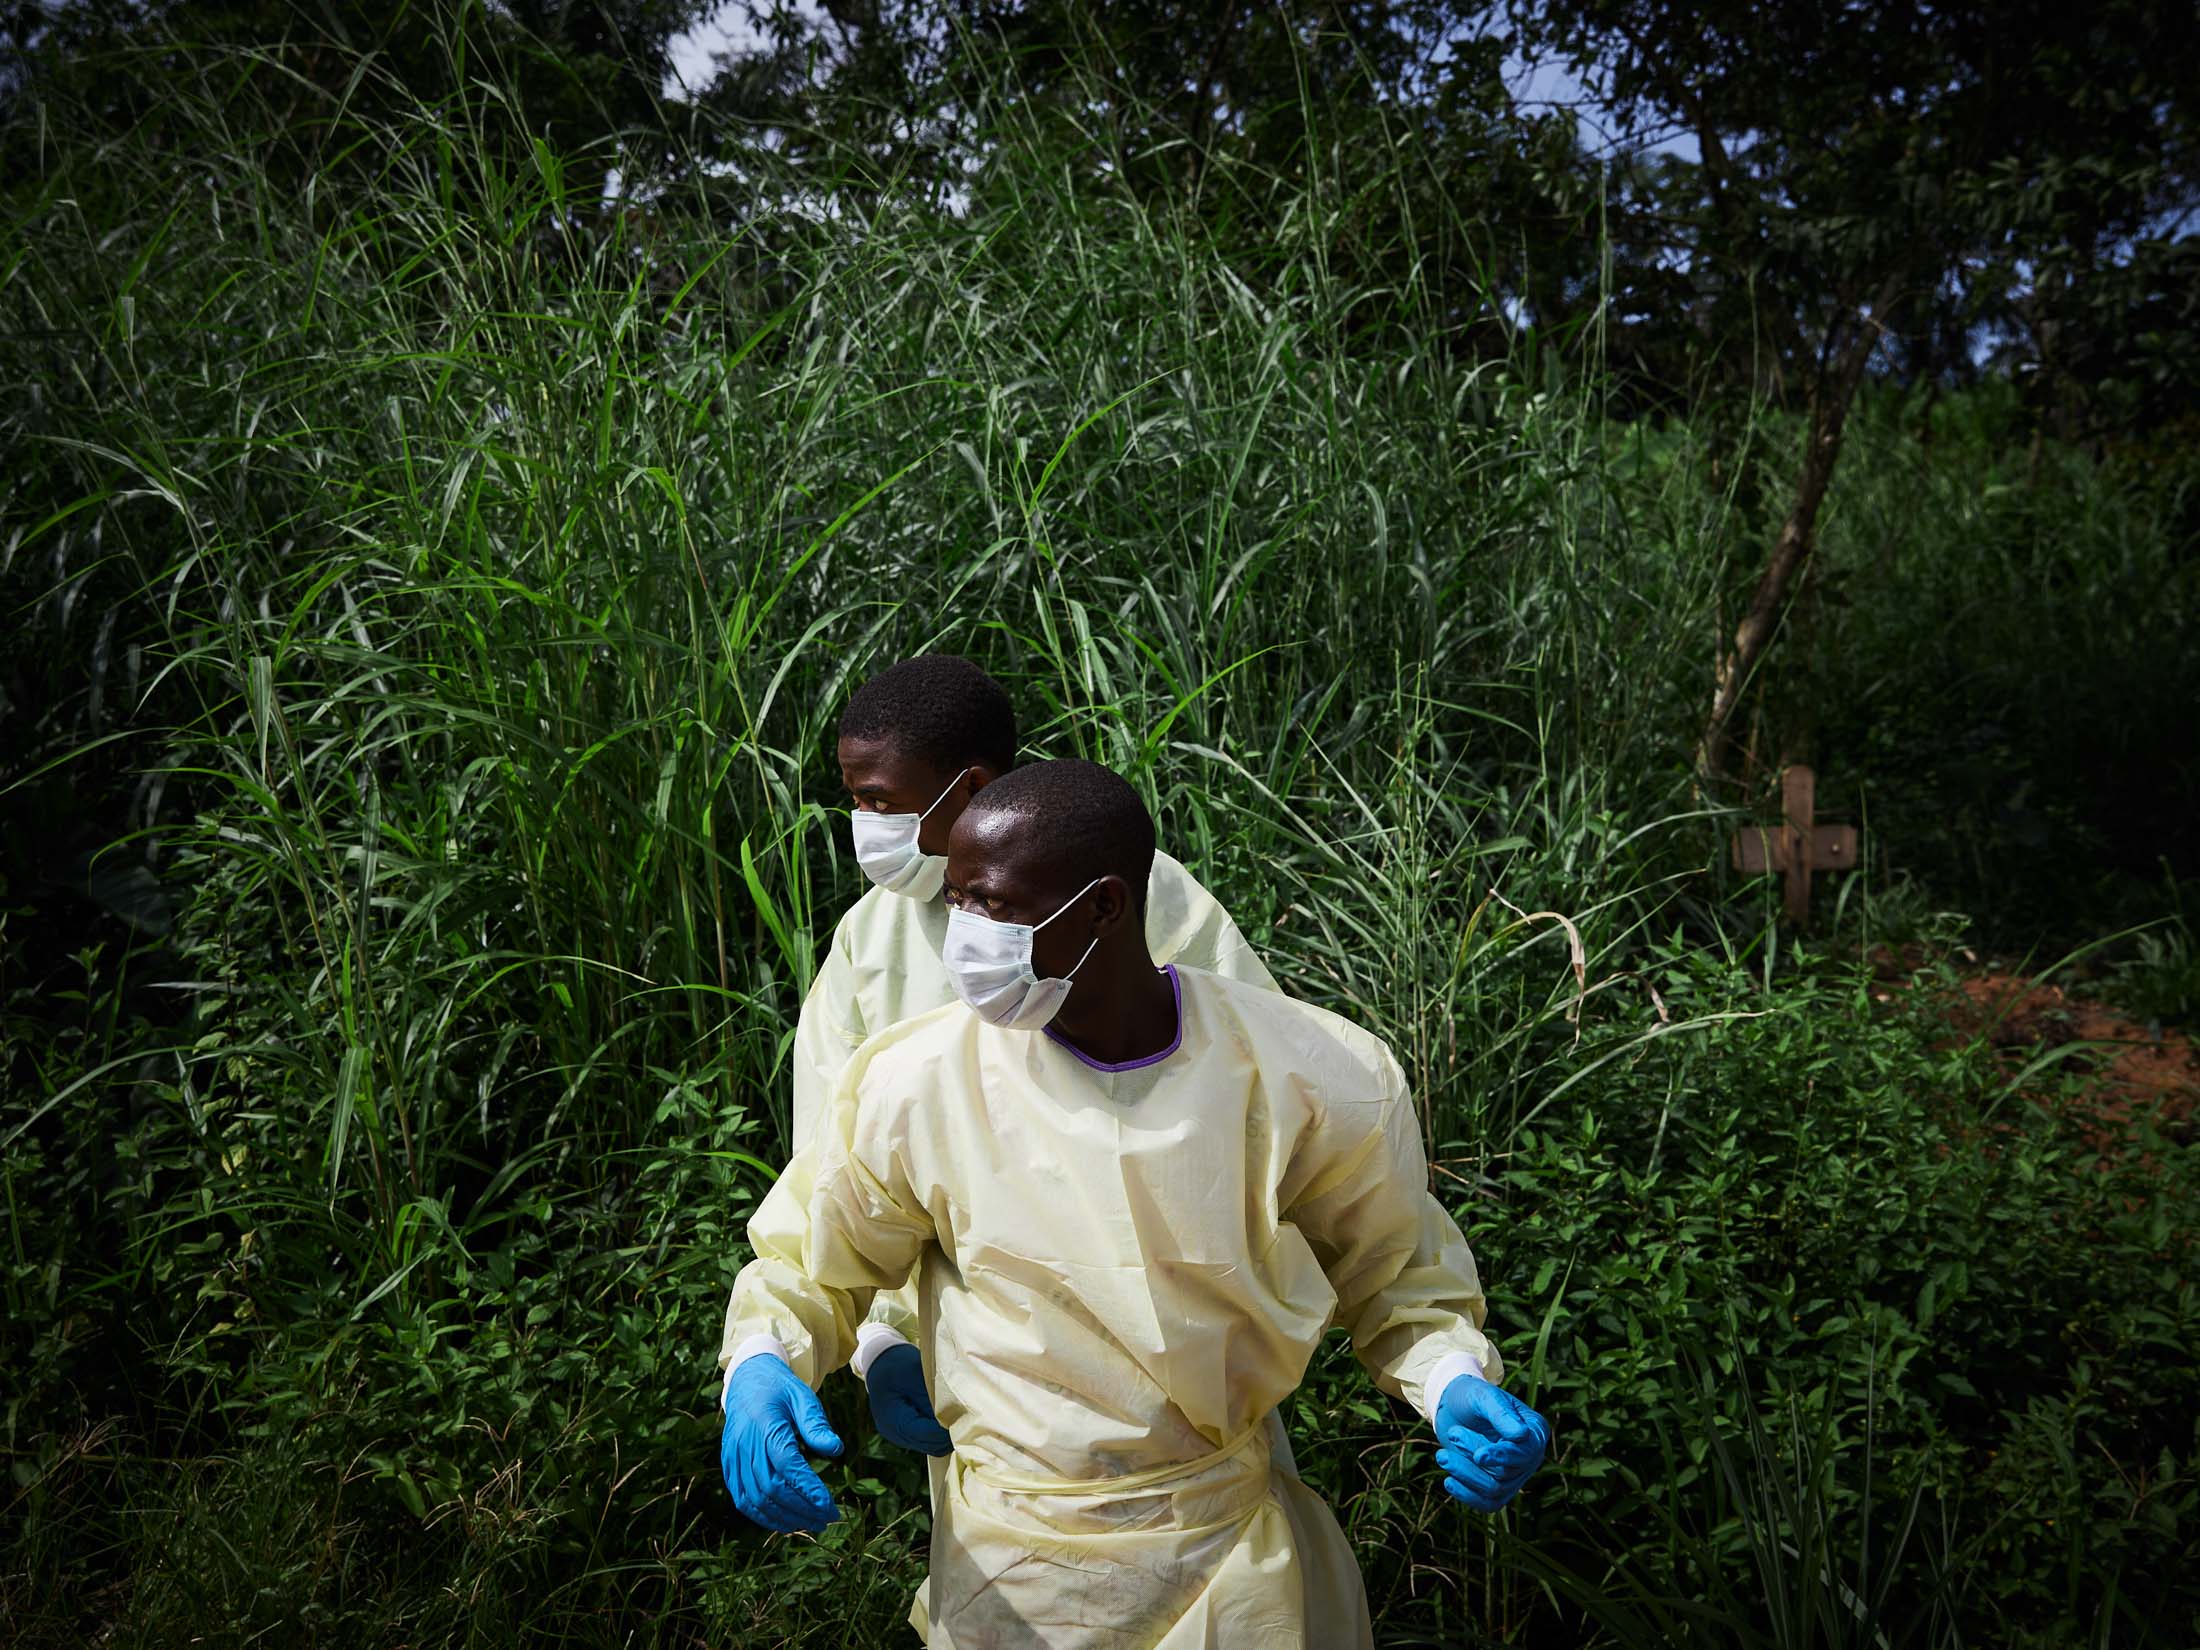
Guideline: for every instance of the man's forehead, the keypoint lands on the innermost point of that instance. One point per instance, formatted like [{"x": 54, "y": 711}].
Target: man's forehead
[
  {"x": 1000, "y": 847},
  {"x": 880, "y": 762},
  {"x": 868, "y": 753}
]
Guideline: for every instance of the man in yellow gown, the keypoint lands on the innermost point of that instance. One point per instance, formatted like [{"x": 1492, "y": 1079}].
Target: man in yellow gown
[
  {"x": 1133, "y": 1198},
  {"x": 916, "y": 743}
]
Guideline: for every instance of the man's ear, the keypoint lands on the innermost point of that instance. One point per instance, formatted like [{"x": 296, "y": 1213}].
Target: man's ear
[
  {"x": 1113, "y": 897},
  {"x": 967, "y": 784}
]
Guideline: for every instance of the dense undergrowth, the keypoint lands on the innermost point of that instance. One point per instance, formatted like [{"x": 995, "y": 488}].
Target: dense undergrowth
[{"x": 429, "y": 595}]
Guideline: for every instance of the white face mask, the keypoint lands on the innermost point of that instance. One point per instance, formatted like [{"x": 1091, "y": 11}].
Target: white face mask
[
  {"x": 990, "y": 963},
  {"x": 886, "y": 848}
]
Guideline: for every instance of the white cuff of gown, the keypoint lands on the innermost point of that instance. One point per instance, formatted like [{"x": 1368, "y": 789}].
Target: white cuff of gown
[
  {"x": 754, "y": 1346},
  {"x": 871, "y": 1340},
  {"x": 1452, "y": 1367}
]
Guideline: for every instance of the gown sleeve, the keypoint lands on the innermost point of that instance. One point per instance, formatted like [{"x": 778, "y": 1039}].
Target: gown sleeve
[
  {"x": 839, "y": 1224},
  {"x": 827, "y": 1034},
  {"x": 829, "y": 1030},
  {"x": 1407, "y": 1290}
]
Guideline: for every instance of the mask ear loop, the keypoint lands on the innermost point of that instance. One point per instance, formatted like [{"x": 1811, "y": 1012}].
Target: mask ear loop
[
  {"x": 1065, "y": 905},
  {"x": 944, "y": 795}
]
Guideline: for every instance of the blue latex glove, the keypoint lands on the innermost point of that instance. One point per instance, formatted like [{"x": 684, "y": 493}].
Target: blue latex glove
[
  {"x": 900, "y": 1407},
  {"x": 1490, "y": 1442},
  {"x": 771, "y": 1418}
]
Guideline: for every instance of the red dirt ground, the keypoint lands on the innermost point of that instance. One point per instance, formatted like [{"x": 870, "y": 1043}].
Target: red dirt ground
[{"x": 2131, "y": 1074}]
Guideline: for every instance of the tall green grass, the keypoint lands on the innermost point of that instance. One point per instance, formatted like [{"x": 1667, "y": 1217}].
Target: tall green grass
[{"x": 443, "y": 589}]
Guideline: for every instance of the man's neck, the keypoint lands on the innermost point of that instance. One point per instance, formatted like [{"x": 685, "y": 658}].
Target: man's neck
[{"x": 1123, "y": 1008}]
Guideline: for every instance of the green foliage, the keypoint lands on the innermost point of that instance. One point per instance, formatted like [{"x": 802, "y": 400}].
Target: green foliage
[
  {"x": 2046, "y": 784},
  {"x": 432, "y": 594},
  {"x": 1951, "y": 173},
  {"x": 1815, "y": 1223},
  {"x": 2009, "y": 183},
  {"x": 568, "y": 75},
  {"x": 2160, "y": 982}
]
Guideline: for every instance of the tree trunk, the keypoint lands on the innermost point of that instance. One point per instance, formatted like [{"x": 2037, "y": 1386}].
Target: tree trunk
[{"x": 1830, "y": 400}]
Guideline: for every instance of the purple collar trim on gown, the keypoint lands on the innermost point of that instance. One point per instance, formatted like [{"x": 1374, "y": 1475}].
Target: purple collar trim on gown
[{"x": 1176, "y": 990}]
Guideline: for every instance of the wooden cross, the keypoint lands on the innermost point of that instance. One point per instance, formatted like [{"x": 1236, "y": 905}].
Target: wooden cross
[{"x": 1797, "y": 847}]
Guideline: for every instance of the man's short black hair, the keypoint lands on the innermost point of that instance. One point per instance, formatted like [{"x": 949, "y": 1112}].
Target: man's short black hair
[
  {"x": 1087, "y": 815},
  {"x": 939, "y": 708}
]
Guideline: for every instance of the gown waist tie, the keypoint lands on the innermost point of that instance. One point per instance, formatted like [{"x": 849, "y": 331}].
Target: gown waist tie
[{"x": 1223, "y": 1487}]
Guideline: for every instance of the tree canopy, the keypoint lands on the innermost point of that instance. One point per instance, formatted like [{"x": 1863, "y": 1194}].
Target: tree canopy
[{"x": 1967, "y": 188}]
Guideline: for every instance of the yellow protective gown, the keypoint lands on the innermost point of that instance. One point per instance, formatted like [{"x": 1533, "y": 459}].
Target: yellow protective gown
[
  {"x": 1123, "y": 1272},
  {"x": 884, "y": 967}
]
